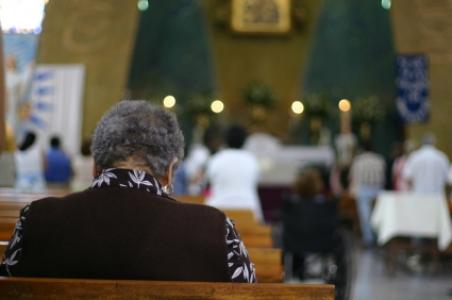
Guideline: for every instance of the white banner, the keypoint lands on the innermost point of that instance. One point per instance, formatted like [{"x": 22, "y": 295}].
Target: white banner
[{"x": 57, "y": 97}]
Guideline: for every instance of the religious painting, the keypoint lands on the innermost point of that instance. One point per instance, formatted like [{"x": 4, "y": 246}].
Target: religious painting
[{"x": 261, "y": 16}]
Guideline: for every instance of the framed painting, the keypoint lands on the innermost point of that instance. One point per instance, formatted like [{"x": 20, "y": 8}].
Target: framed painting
[{"x": 261, "y": 16}]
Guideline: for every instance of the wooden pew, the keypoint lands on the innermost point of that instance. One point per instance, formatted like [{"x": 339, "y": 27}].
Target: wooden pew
[
  {"x": 257, "y": 241},
  {"x": 78, "y": 289},
  {"x": 268, "y": 264},
  {"x": 190, "y": 199},
  {"x": 2, "y": 248},
  {"x": 6, "y": 228},
  {"x": 240, "y": 215}
]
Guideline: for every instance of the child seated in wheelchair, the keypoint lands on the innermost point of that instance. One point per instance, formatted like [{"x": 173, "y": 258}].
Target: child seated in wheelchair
[{"x": 312, "y": 246}]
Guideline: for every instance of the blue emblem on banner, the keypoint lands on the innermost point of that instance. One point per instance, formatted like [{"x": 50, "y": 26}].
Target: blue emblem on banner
[
  {"x": 412, "y": 88},
  {"x": 43, "y": 75}
]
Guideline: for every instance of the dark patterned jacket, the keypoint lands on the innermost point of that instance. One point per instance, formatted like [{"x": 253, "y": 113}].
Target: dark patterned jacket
[{"x": 126, "y": 229}]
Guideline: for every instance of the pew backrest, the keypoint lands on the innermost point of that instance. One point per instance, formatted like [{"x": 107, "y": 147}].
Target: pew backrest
[
  {"x": 78, "y": 289},
  {"x": 3, "y": 246},
  {"x": 268, "y": 264},
  {"x": 190, "y": 199}
]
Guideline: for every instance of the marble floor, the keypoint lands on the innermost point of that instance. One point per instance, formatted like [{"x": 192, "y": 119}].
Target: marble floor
[{"x": 373, "y": 282}]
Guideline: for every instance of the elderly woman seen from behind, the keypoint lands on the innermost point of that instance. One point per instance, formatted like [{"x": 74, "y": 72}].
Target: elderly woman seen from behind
[{"x": 126, "y": 226}]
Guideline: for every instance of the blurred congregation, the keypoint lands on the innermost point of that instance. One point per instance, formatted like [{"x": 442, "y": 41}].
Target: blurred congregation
[{"x": 301, "y": 143}]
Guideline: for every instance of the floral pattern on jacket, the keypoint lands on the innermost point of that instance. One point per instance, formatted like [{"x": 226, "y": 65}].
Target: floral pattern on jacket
[{"x": 240, "y": 267}]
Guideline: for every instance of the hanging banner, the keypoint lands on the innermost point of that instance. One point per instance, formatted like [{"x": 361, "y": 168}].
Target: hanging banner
[
  {"x": 56, "y": 104},
  {"x": 412, "y": 88}
]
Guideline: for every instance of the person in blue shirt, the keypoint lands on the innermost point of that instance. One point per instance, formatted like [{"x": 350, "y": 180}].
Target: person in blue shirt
[{"x": 58, "y": 164}]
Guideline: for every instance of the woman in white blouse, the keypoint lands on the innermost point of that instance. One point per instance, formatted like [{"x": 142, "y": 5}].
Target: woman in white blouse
[{"x": 233, "y": 175}]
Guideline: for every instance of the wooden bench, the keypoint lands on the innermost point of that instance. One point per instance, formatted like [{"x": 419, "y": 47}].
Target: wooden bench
[
  {"x": 268, "y": 264},
  {"x": 3, "y": 245},
  {"x": 7, "y": 225},
  {"x": 78, "y": 289},
  {"x": 190, "y": 199},
  {"x": 257, "y": 241}
]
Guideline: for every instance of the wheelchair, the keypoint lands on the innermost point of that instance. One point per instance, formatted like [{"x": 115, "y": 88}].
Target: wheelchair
[{"x": 315, "y": 250}]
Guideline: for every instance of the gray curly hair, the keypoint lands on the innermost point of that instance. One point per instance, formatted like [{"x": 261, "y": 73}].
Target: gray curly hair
[{"x": 138, "y": 130}]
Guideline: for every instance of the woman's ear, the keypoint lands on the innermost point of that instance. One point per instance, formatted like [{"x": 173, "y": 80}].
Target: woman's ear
[
  {"x": 168, "y": 178},
  {"x": 96, "y": 170}
]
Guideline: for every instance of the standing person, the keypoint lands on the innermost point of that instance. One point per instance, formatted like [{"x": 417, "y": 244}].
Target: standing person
[
  {"x": 29, "y": 164},
  {"x": 58, "y": 164},
  {"x": 398, "y": 182},
  {"x": 83, "y": 165},
  {"x": 233, "y": 175},
  {"x": 426, "y": 169},
  {"x": 367, "y": 175},
  {"x": 194, "y": 165}
]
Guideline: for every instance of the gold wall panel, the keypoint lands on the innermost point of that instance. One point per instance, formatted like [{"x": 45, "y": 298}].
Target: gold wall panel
[
  {"x": 425, "y": 26},
  {"x": 99, "y": 34}
]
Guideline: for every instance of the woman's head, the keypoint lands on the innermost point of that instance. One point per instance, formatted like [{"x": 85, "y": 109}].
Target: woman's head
[
  {"x": 139, "y": 134},
  {"x": 29, "y": 140},
  {"x": 309, "y": 183},
  {"x": 235, "y": 136}
]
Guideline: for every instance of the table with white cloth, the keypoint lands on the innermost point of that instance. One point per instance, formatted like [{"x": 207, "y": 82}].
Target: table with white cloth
[{"x": 412, "y": 215}]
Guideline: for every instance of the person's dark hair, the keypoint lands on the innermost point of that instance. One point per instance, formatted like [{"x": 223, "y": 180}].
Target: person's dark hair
[
  {"x": 213, "y": 138},
  {"x": 309, "y": 183},
  {"x": 55, "y": 142},
  {"x": 85, "y": 149},
  {"x": 367, "y": 146},
  {"x": 29, "y": 140},
  {"x": 235, "y": 136}
]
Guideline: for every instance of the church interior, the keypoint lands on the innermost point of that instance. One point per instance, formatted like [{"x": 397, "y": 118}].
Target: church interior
[{"x": 342, "y": 105}]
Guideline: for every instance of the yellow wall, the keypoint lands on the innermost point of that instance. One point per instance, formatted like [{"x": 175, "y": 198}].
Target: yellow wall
[
  {"x": 99, "y": 34},
  {"x": 277, "y": 61},
  {"x": 425, "y": 26}
]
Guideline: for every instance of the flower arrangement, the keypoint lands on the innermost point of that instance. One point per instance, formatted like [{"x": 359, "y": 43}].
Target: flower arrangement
[
  {"x": 199, "y": 104},
  {"x": 259, "y": 94},
  {"x": 318, "y": 106},
  {"x": 369, "y": 109}
]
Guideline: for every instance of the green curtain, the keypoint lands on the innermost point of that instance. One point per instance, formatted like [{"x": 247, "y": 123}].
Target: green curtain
[
  {"x": 353, "y": 57},
  {"x": 172, "y": 54}
]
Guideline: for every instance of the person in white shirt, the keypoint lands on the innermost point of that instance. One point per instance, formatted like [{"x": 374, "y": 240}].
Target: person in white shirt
[
  {"x": 83, "y": 166},
  {"x": 233, "y": 175},
  {"x": 29, "y": 165},
  {"x": 367, "y": 175},
  {"x": 426, "y": 169},
  {"x": 194, "y": 165}
]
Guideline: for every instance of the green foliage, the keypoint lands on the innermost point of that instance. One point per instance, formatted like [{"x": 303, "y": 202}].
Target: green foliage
[
  {"x": 317, "y": 105},
  {"x": 199, "y": 104},
  {"x": 370, "y": 109},
  {"x": 259, "y": 94}
]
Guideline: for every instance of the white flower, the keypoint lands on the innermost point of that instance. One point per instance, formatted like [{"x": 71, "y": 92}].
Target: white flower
[
  {"x": 237, "y": 272},
  {"x": 138, "y": 177},
  {"x": 242, "y": 249},
  {"x": 105, "y": 176},
  {"x": 10, "y": 260},
  {"x": 16, "y": 239}
]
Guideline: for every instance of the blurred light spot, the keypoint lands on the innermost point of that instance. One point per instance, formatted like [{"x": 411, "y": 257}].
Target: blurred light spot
[
  {"x": 143, "y": 5},
  {"x": 345, "y": 105},
  {"x": 297, "y": 107},
  {"x": 169, "y": 101},
  {"x": 386, "y": 4},
  {"x": 217, "y": 106}
]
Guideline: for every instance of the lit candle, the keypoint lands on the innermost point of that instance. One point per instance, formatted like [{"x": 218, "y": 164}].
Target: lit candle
[{"x": 345, "y": 107}]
